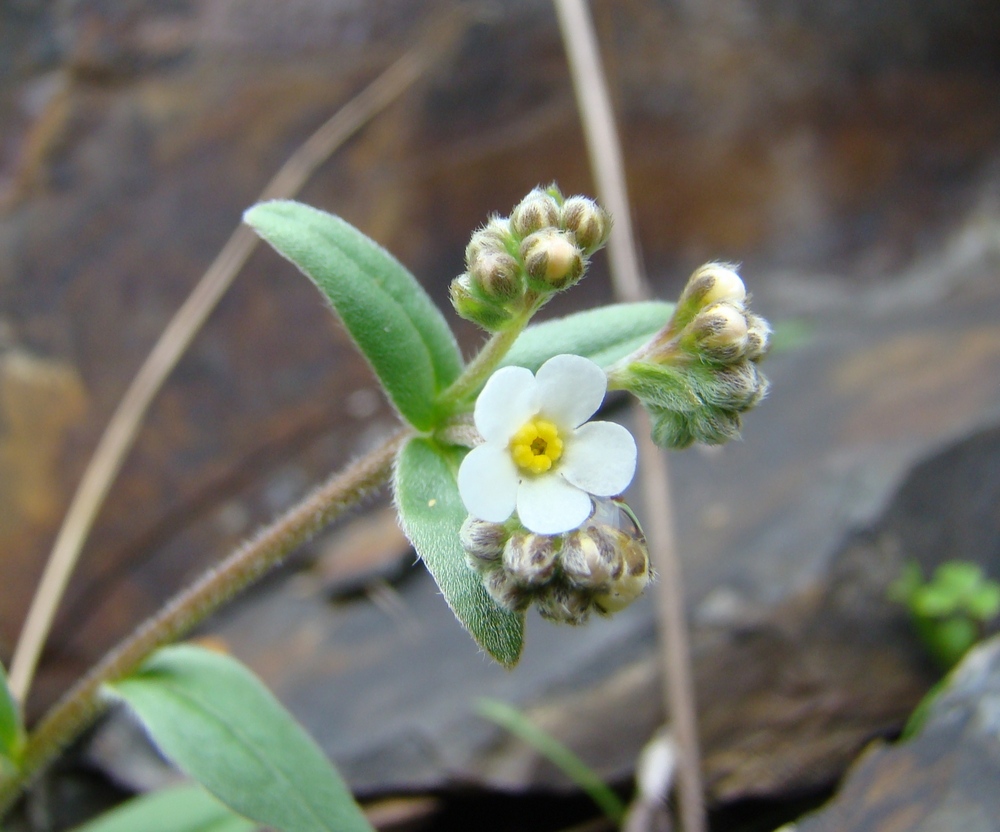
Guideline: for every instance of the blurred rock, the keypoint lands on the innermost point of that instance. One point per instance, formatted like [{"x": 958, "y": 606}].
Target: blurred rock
[{"x": 944, "y": 778}]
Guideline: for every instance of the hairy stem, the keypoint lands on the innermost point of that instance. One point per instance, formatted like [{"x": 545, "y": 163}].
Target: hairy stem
[
  {"x": 84, "y": 702},
  {"x": 493, "y": 351}
]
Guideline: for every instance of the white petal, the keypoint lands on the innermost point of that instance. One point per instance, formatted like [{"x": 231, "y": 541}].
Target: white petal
[
  {"x": 599, "y": 458},
  {"x": 550, "y": 505},
  {"x": 487, "y": 483},
  {"x": 572, "y": 388},
  {"x": 508, "y": 400}
]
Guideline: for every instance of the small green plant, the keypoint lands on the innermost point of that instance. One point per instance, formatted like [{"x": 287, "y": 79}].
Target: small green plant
[
  {"x": 508, "y": 490},
  {"x": 951, "y": 610}
]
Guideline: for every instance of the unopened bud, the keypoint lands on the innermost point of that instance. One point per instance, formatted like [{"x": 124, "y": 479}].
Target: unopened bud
[
  {"x": 738, "y": 386},
  {"x": 589, "y": 223},
  {"x": 564, "y": 604},
  {"x": 483, "y": 541},
  {"x": 495, "y": 236},
  {"x": 719, "y": 332},
  {"x": 536, "y": 211},
  {"x": 496, "y": 275},
  {"x": 552, "y": 259},
  {"x": 631, "y": 583},
  {"x": 530, "y": 558},
  {"x": 714, "y": 283},
  {"x": 503, "y": 589},
  {"x": 489, "y": 315},
  {"x": 758, "y": 337},
  {"x": 591, "y": 557}
]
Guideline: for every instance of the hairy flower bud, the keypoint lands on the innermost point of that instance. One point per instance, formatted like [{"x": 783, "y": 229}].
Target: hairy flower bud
[
  {"x": 564, "y": 604},
  {"x": 531, "y": 558},
  {"x": 503, "y": 589},
  {"x": 736, "y": 387},
  {"x": 494, "y": 237},
  {"x": 496, "y": 275},
  {"x": 630, "y": 585},
  {"x": 592, "y": 558},
  {"x": 552, "y": 259},
  {"x": 589, "y": 223},
  {"x": 483, "y": 541},
  {"x": 714, "y": 283},
  {"x": 600, "y": 566},
  {"x": 758, "y": 337},
  {"x": 536, "y": 211},
  {"x": 718, "y": 333}
]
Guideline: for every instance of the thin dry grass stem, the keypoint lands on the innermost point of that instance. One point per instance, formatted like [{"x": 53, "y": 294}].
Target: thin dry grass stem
[
  {"x": 608, "y": 168},
  {"x": 124, "y": 425}
]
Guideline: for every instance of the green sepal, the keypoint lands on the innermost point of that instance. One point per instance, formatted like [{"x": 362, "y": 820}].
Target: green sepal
[
  {"x": 604, "y": 335},
  {"x": 217, "y": 722},
  {"x": 187, "y": 808},
  {"x": 660, "y": 386},
  {"x": 12, "y": 735},
  {"x": 431, "y": 513},
  {"x": 710, "y": 426},
  {"x": 387, "y": 313}
]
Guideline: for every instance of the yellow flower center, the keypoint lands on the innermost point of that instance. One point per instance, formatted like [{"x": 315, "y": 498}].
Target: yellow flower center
[{"x": 536, "y": 445}]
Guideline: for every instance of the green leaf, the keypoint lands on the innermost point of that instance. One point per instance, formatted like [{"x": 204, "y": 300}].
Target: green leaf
[
  {"x": 933, "y": 601},
  {"x": 11, "y": 728},
  {"x": 214, "y": 718},
  {"x": 951, "y": 639},
  {"x": 603, "y": 335},
  {"x": 508, "y": 717},
  {"x": 921, "y": 713},
  {"x": 187, "y": 808},
  {"x": 390, "y": 317},
  {"x": 984, "y": 603},
  {"x": 432, "y": 513},
  {"x": 958, "y": 577}
]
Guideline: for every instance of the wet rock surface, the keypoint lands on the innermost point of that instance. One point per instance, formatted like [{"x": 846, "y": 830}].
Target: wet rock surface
[
  {"x": 847, "y": 156},
  {"x": 944, "y": 778}
]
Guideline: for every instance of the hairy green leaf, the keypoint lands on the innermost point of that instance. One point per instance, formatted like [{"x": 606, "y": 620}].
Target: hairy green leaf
[
  {"x": 390, "y": 317},
  {"x": 187, "y": 808},
  {"x": 11, "y": 728},
  {"x": 432, "y": 513},
  {"x": 214, "y": 718},
  {"x": 603, "y": 335}
]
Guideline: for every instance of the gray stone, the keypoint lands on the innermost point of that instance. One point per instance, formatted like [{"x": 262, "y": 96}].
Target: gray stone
[{"x": 945, "y": 778}]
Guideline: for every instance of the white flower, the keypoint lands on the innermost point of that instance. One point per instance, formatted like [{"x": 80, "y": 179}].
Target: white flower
[{"x": 539, "y": 457}]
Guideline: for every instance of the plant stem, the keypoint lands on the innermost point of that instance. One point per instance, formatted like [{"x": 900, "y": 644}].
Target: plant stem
[
  {"x": 485, "y": 362},
  {"x": 84, "y": 702}
]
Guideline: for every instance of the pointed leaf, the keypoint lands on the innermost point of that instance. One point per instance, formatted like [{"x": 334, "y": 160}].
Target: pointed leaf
[
  {"x": 603, "y": 335},
  {"x": 11, "y": 728},
  {"x": 432, "y": 513},
  {"x": 214, "y": 718},
  {"x": 187, "y": 808},
  {"x": 390, "y": 317}
]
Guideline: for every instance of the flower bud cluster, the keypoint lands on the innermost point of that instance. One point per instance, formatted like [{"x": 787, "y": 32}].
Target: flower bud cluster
[
  {"x": 601, "y": 566},
  {"x": 541, "y": 248},
  {"x": 699, "y": 374}
]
